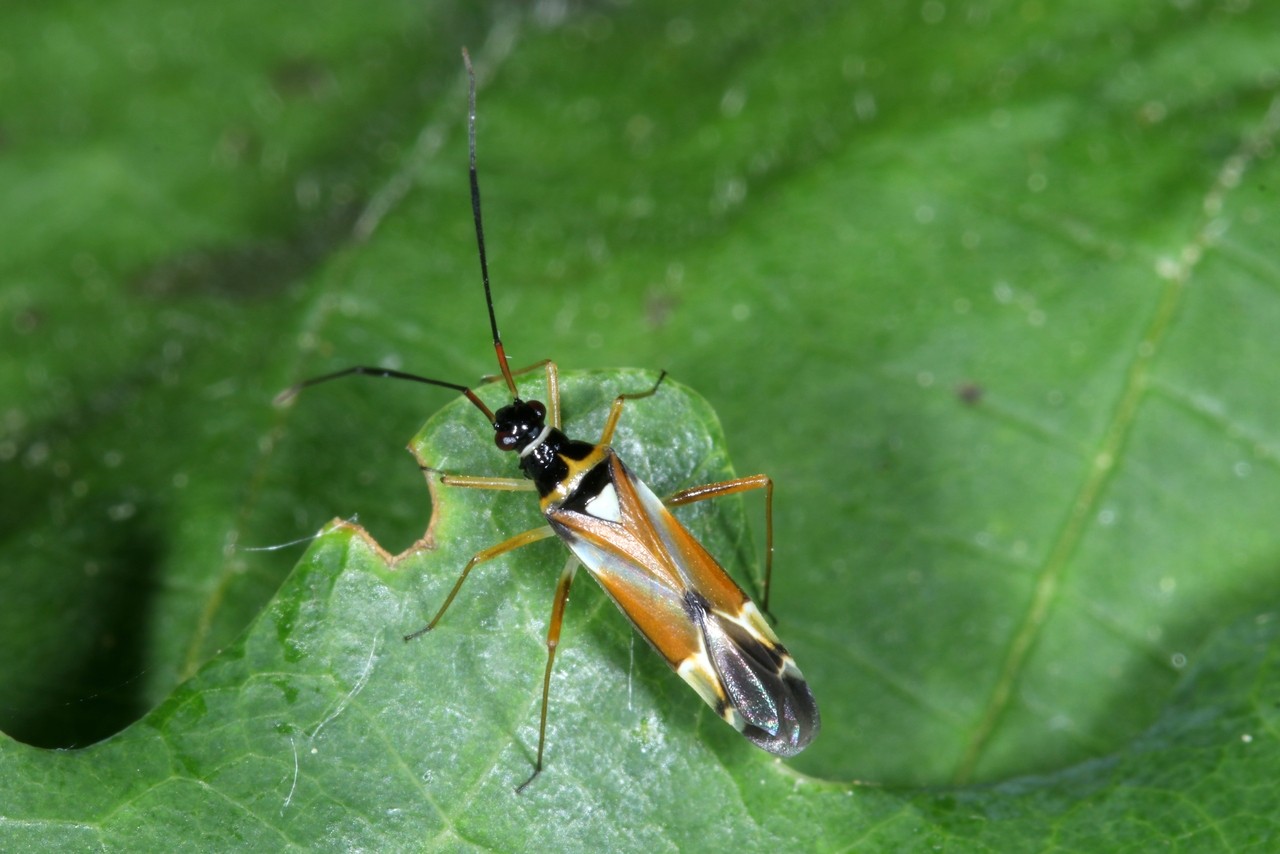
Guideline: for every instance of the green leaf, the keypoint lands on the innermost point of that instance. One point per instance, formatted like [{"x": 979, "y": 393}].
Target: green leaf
[{"x": 988, "y": 290}]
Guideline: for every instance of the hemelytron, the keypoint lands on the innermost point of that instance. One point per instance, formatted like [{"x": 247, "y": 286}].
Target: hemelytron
[{"x": 674, "y": 592}]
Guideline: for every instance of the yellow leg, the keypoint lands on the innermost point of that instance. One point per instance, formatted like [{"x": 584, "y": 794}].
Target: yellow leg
[
  {"x": 553, "y": 640},
  {"x": 729, "y": 487},
  {"x": 531, "y": 536},
  {"x": 615, "y": 411},
  {"x": 498, "y": 484}
]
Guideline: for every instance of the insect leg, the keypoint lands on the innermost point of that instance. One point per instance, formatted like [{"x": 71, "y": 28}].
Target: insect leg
[
  {"x": 498, "y": 484},
  {"x": 530, "y": 536},
  {"x": 553, "y": 640},
  {"x": 468, "y": 481},
  {"x": 615, "y": 411},
  {"x": 729, "y": 487}
]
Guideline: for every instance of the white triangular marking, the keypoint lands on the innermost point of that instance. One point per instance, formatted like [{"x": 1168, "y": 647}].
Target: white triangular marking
[{"x": 604, "y": 505}]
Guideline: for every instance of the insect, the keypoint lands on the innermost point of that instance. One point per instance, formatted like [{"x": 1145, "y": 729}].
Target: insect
[{"x": 674, "y": 592}]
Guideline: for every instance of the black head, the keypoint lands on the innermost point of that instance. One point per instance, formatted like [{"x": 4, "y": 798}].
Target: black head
[{"x": 519, "y": 423}]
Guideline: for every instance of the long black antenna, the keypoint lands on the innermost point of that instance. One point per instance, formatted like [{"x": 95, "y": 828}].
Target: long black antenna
[
  {"x": 372, "y": 371},
  {"x": 475, "y": 212}
]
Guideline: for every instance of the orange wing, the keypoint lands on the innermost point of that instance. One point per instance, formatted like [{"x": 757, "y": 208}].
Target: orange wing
[{"x": 689, "y": 609}]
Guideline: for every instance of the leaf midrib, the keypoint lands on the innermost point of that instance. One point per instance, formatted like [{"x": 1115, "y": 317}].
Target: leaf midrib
[{"x": 1175, "y": 273}]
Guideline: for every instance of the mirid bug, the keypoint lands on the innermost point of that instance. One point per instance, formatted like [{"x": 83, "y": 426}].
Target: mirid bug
[{"x": 671, "y": 589}]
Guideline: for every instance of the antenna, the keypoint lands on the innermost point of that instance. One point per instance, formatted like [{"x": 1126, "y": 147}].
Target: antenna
[
  {"x": 503, "y": 365},
  {"x": 372, "y": 371}
]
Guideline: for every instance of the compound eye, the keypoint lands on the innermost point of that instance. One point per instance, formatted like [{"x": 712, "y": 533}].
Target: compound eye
[
  {"x": 538, "y": 408},
  {"x": 506, "y": 440}
]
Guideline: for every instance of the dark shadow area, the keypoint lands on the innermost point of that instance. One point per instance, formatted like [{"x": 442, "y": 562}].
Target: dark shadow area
[
  {"x": 77, "y": 628},
  {"x": 100, "y": 692}
]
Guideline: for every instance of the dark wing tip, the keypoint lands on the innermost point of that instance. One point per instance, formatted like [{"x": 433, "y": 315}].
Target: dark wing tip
[
  {"x": 798, "y": 720},
  {"x": 765, "y": 695}
]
